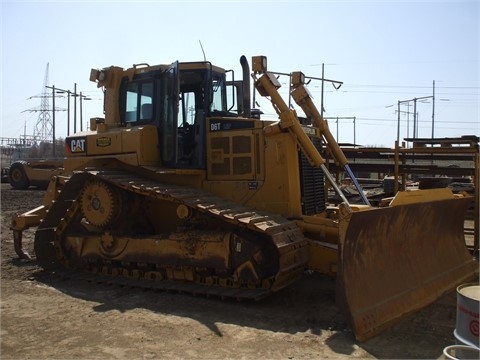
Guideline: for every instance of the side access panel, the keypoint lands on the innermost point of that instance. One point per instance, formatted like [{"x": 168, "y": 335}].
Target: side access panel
[{"x": 399, "y": 259}]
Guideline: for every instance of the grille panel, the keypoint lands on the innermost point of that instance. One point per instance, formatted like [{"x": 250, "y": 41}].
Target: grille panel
[{"x": 312, "y": 182}]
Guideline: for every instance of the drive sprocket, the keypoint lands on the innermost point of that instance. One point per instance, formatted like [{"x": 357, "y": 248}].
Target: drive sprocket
[{"x": 99, "y": 203}]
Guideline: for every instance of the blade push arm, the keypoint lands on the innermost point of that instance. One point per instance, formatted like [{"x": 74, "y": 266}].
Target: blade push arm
[
  {"x": 302, "y": 97},
  {"x": 268, "y": 85}
]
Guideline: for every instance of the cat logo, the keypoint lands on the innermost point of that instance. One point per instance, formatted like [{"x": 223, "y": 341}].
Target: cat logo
[
  {"x": 104, "y": 142},
  {"x": 77, "y": 145}
]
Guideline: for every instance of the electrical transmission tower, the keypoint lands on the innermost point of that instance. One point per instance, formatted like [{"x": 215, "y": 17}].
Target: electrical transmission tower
[
  {"x": 44, "y": 127},
  {"x": 43, "y": 130}
]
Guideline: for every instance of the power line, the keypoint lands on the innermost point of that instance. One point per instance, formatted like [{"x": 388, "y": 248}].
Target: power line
[
  {"x": 395, "y": 120},
  {"x": 411, "y": 86},
  {"x": 402, "y": 92}
]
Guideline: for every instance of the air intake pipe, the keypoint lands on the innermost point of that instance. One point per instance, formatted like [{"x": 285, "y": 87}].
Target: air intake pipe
[{"x": 246, "y": 86}]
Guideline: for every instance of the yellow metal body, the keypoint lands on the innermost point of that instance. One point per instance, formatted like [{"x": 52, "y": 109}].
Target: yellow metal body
[
  {"x": 234, "y": 211},
  {"x": 23, "y": 174},
  {"x": 407, "y": 256}
]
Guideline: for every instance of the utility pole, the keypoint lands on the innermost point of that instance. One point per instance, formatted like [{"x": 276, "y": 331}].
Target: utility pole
[
  {"x": 74, "y": 95},
  {"x": 81, "y": 115},
  {"x": 82, "y": 97},
  {"x": 75, "y": 108},
  {"x": 433, "y": 109},
  {"x": 335, "y": 83},
  {"x": 415, "y": 117},
  {"x": 323, "y": 80},
  {"x": 54, "y": 110},
  {"x": 354, "y": 118},
  {"x": 53, "y": 120},
  {"x": 407, "y": 113}
]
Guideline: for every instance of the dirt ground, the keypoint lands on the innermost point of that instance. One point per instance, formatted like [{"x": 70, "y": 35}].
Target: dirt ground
[{"x": 46, "y": 317}]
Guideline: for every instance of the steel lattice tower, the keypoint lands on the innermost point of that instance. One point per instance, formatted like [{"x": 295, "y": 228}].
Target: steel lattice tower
[{"x": 44, "y": 127}]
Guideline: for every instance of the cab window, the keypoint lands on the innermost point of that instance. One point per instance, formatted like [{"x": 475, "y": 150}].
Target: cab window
[
  {"x": 139, "y": 104},
  {"x": 218, "y": 95}
]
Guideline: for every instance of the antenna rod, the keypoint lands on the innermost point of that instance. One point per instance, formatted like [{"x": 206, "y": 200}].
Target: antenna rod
[{"x": 204, "y": 57}]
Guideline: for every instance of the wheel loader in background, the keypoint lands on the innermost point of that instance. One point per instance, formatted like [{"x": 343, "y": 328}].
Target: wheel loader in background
[{"x": 180, "y": 186}]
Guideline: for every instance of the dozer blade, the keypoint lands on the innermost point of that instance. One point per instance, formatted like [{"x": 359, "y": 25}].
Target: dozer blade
[{"x": 398, "y": 259}]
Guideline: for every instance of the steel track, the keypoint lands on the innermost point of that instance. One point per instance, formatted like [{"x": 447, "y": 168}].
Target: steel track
[{"x": 283, "y": 233}]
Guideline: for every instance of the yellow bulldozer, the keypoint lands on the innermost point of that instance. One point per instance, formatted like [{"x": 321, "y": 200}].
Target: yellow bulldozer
[{"x": 181, "y": 185}]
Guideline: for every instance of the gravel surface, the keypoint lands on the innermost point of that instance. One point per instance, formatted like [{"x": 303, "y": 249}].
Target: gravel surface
[{"x": 47, "y": 317}]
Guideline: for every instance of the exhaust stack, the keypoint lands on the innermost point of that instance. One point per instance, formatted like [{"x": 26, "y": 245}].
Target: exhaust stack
[{"x": 246, "y": 86}]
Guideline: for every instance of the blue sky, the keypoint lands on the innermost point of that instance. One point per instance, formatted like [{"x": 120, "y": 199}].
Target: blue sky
[{"x": 383, "y": 52}]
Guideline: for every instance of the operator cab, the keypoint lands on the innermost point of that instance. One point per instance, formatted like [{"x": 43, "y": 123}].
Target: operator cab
[{"x": 177, "y": 100}]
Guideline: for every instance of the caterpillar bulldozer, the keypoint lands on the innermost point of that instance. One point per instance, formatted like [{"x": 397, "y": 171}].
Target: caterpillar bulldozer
[{"x": 181, "y": 185}]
